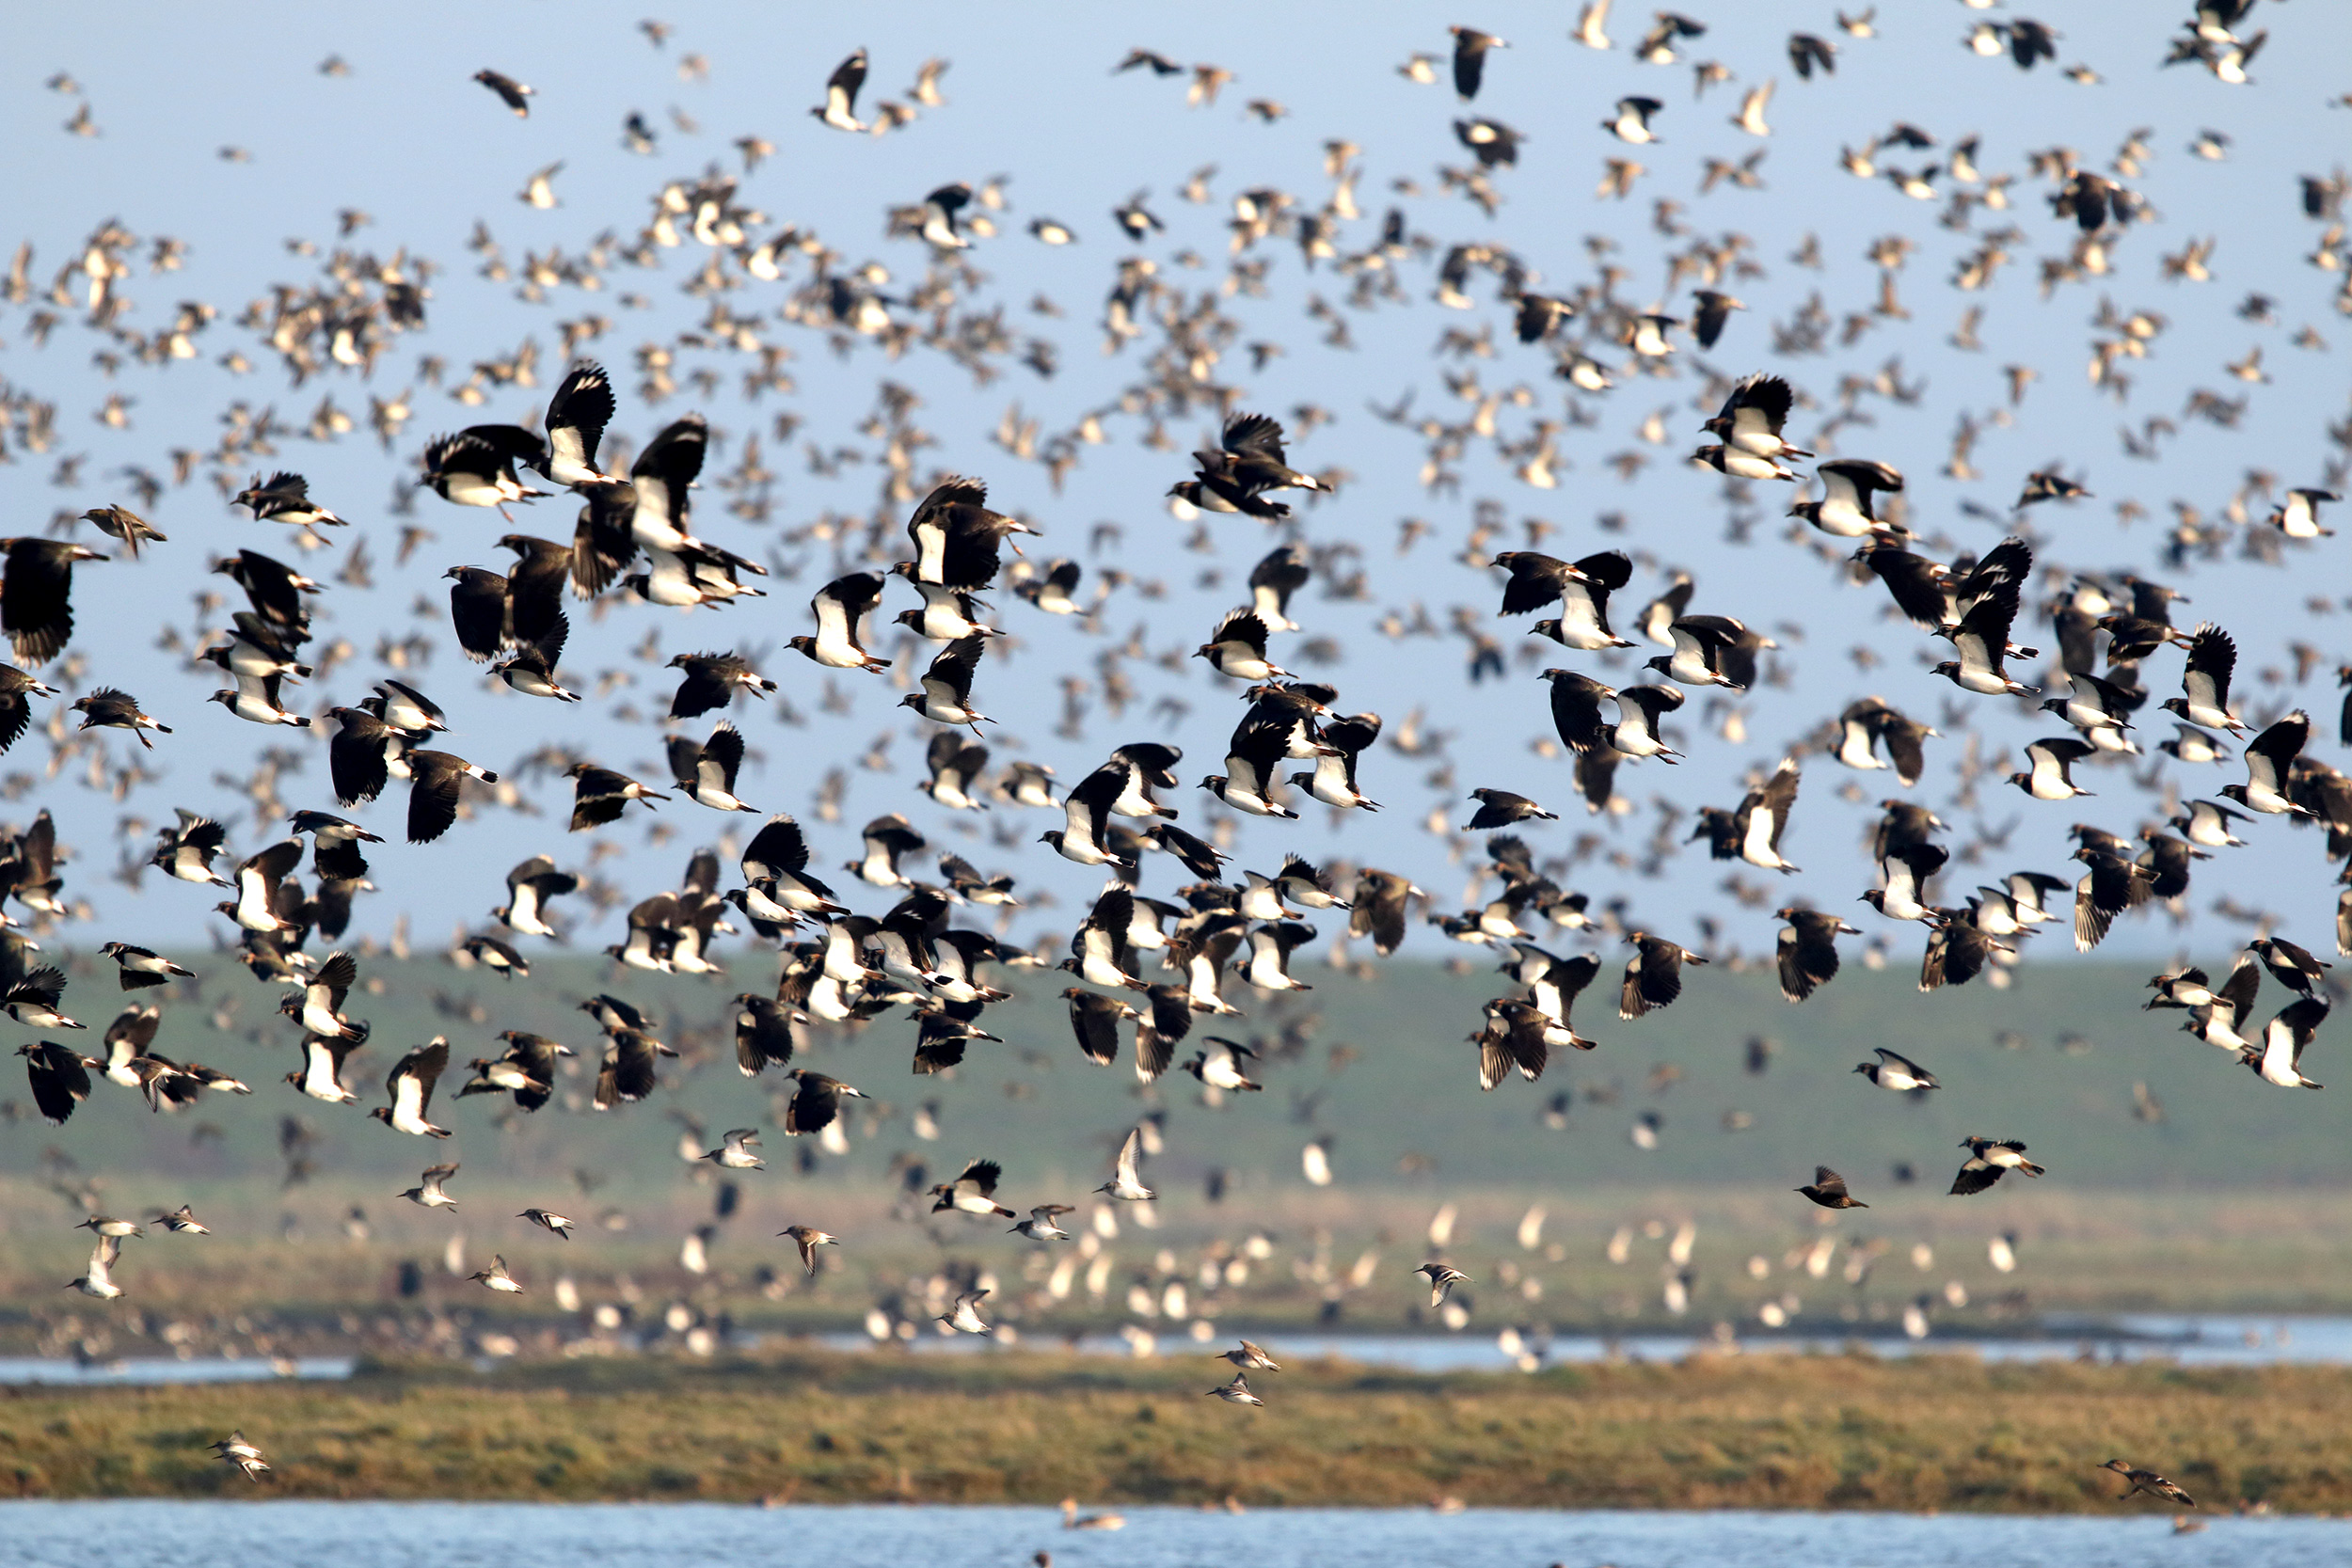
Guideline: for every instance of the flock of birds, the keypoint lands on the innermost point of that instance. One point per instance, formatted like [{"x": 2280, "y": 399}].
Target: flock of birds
[{"x": 1154, "y": 973}]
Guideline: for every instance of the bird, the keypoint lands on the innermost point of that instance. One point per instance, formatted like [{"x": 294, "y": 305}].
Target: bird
[
  {"x": 2298, "y": 515},
  {"x": 36, "y": 595},
  {"x": 321, "y": 1073},
  {"x": 1653, "y": 977},
  {"x": 495, "y": 1278},
  {"x": 1124, "y": 1184},
  {"x": 2206, "y": 683},
  {"x": 840, "y": 607},
  {"x": 319, "y": 1005},
  {"x": 1898, "y": 1072},
  {"x": 529, "y": 886},
  {"x": 955, "y": 766},
  {"x": 808, "y": 1238},
  {"x": 1763, "y": 816},
  {"x": 815, "y": 1102},
  {"x": 1701, "y": 646},
  {"x": 556, "y": 1224},
  {"x": 1740, "y": 463},
  {"x": 2277, "y": 1057},
  {"x": 410, "y": 1085},
  {"x": 1095, "y": 1018},
  {"x": 134, "y": 531},
  {"x": 1333, "y": 780},
  {"x": 577, "y": 416},
  {"x": 1248, "y": 782},
  {"x": 711, "y": 681},
  {"x": 1238, "y": 648},
  {"x": 60, "y": 1079},
  {"x": 1637, "y": 734},
  {"x": 512, "y": 94},
  {"x": 107, "y": 708},
  {"x": 1581, "y": 587},
  {"x": 1630, "y": 122},
  {"x": 97, "y": 1276},
  {"x": 2052, "y": 757},
  {"x": 16, "y": 710},
  {"x": 138, "y": 968},
  {"x": 1219, "y": 1065},
  {"x": 1989, "y": 1160},
  {"x": 776, "y": 862},
  {"x": 1516, "y": 1036},
  {"x": 972, "y": 1192},
  {"x": 964, "y": 1316},
  {"x": 706, "y": 772},
  {"x": 1845, "y": 508},
  {"x": 2269, "y": 759},
  {"x": 943, "y": 694},
  {"x": 1051, "y": 590},
  {"x": 600, "y": 795},
  {"x": 734, "y": 1152},
  {"x": 428, "y": 1193},
  {"x": 1469, "y": 59},
  {"x": 839, "y": 109},
  {"x": 1807, "y": 950},
  {"x": 476, "y": 466},
  {"x": 284, "y": 498},
  {"x": 1499, "y": 808},
  {"x": 2149, "y": 1482},
  {"x": 435, "y": 781},
  {"x": 1752, "y": 416},
  {"x": 1250, "y": 1358},
  {"x": 1828, "y": 1189},
  {"x": 1442, "y": 1278},
  {"x": 2291, "y": 966},
  {"x": 235, "y": 1451},
  {"x": 32, "y": 1000},
  {"x": 1237, "y": 1392},
  {"x": 1981, "y": 639},
  {"x": 956, "y": 536}
]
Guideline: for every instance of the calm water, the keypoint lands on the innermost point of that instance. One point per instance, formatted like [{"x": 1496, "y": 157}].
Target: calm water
[
  {"x": 694, "y": 1535},
  {"x": 2192, "y": 1341}
]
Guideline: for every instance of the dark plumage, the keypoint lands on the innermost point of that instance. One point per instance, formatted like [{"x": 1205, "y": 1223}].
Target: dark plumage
[
  {"x": 1499, "y": 808},
  {"x": 1807, "y": 951},
  {"x": 1829, "y": 1190},
  {"x": 600, "y": 795},
  {"x": 36, "y": 595},
  {"x": 1653, "y": 977}
]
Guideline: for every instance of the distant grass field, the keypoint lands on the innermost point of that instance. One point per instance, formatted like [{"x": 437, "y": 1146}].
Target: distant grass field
[
  {"x": 1842, "y": 1432},
  {"x": 1380, "y": 1067},
  {"x": 2239, "y": 1197}
]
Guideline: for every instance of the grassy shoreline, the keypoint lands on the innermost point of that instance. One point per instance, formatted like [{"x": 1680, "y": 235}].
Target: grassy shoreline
[{"x": 1817, "y": 1432}]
